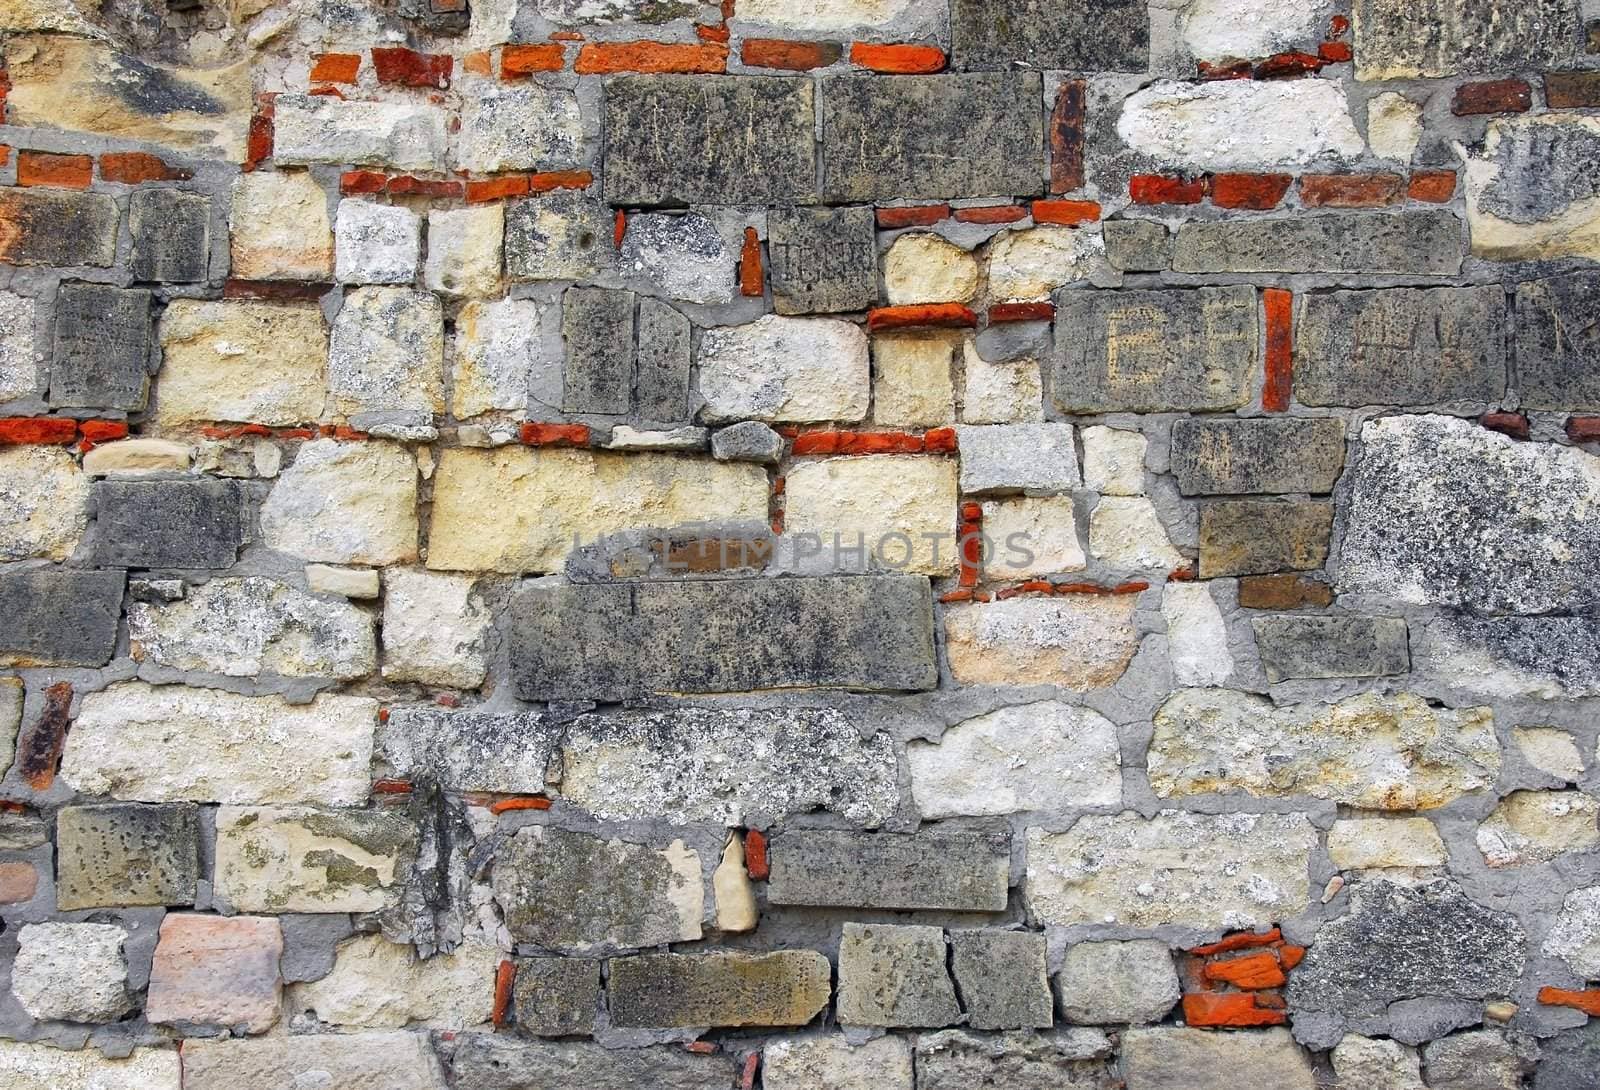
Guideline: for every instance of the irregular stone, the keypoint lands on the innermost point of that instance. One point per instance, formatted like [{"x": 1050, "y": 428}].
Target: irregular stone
[
  {"x": 709, "y": 140},
  {"x": 736, "y": 896},
  {"x": 278, "y": 227},
  {"x": 435, "y": 629},
  {"x": 328, "y": 129},
  {"x": 661, "y": 380},
  {"x": 721, "y": 988},
  {"x": 1197, "y": 1059},
  {"x": 1038, "y": 756},
  {"x": 1538, "y": 826},
  {"x": 485, "y": 1062},
  {"x": 1202, "y": 871},
  {"x": 1137, "y": 245},
  {"x": 552, "y": 498},
  {"x": 118, "y": 854},
  {"x": 894, "y": 976},
  {"x": 58, "y": 227},
  {"x": 20, "y": 831},
  {"x": 1331, "y": 646},
  {"x": 954, "y": 136},
  {"x": 497, "y": 357},
  {"x": 565, "y": 235},
  {"x": 464, "y": 249},
  {"x": 832, "y": 1062},
  {"x": 1080, "y": 642},
  {"x": 922, "y": 267},
  {"x": 1002, "y": 980},
  {"x": 1202, "y": 126},
  {"x": 469, "y": 750},
  {"x": 101, "y": 356},
  {"x": 725, "y": 765},
  {"x": 1110, "y": 983},
  {"x": 597, "y": 325},
  {"x": 44, "y": 503},
  {"x": 345, "y": 503},
  {"x": 1127, "y": 532},
  {"x": 299, "y": 859},
  {"x": 1575, "y": 935},
  {"x": 1197, "y": 637},
  {"x": 1155, "y": 351},
  {"x": 376, "y": 243},
  {"x": 171, "y": 233},
  {"x": 1008, "y": 34},
  {"x": 959, "y": 871},
  {"x": 1017, "y": 457},
  {"x": 1558, "y": 357},
  {"x": 191, "y": 524},
  {"x": 1553, "y": 752},
  {"x": 1426, "y": 242},
  {"x": 898, "y": 509},
  {"x": 557, "y": 997},
  {"x": 751, "y": 441},
  {"x": 1529, "y": 192},
  {"x": 11, "y": 699},
  {"x": 1218, "y": 30},
  {"x": 19, "y": 355},
  {"x": 381, "y": 984},
  {"x": 1483, "y": 1060},
  {"x": 216, "y": 970},
  {"x": 1362, "y": 843},
  {"x": 1233, "y": 457},
  {"x": 1376, "y": 1064},
  {"x": 1072, "y": 1059},
  {"x": 45, "y": 1067},
  {"x": 59, "y": 617},
  {"x": 524, "y": 126},
  {"x": 245, "y": 627},
  {"x": 1031, "y": 264},
  {"x": 238, "y": 360},
  {"x": 1113, "y": 461},
  {"x": 543, "y": 881},
  {"x": 387, "y": 352},
  {"x": 1394, "y": 126},
  {"x": 785, "y": 369},
  {"x": 1512, "y": 656},
  {"x": 1398, "y": 40},
  {"x": 1566, "y": 1061},
  {"x": 869, "y": 633},
  {"x": 72, "y": 972},
  {"x": 684, "y": 256},
  {"x": 345, "y": 582},
  {"x": 912, "y": 385},
  {"x": 394, "y": 1060},
  {"x": 823, "y": 260},
  {"x": 1254, "y": 537},
  {"x": 169, "y": 744},
  {"x": 1030, "y": 536}
]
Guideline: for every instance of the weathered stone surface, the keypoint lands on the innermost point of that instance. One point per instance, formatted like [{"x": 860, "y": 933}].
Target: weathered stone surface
[
  {"x": 960, "y": 871},
  {"x": 45, "y": 1067},
  {"x": 661, "y": 379},
  {"x": 709, "y": 140},
  {"x": 1482, "y": 1060},
  {"x": 278, "y": 227},
  {"x": 1376, "y": 1064},
  {"x": 912, "y": 386},
  {"x": 1016, "y": 458},
  {"x": 381, "y": 984},
  {"x": 464, "y": 250},
  {"x": 1030, "y": 264},
  {"x": 147, "y": 744},
  {"x": 329, "y": 129},
  {"x": 1427, "y": 242},
  {"x": 823, "y": 260},
  {"x": 1197, "y": 1059},
  {"x": 1126, "y": 531},
  {"x": 597, "y": 326},
  {"x": 1137, "y": 245},
  {"x": 520, "y": 127},
  {"x": 485, "y": 1062},
  {"x": 557, "y": 997},
  {"x": 894, "y": 976},
  {"x": 168, "y": 524},
  {"x": 1361, "y": 843},
  {"x": 550, "y": 499},
  {"x": 566, "y": 235},
  {"x": 1440, "y": 38},
  {"x": 1197, "y": 636},
  {"x": 1008, "y": 34},
  {"x": 300, "y": 859},
  {"x": 376, "y": 243},
  {"x": 1567, "y": 1060},
  {"x": 497, "y": 357},
  {"x": 725, "y": 765},
  {"x": 921, "y": 267},
  {"x": 1001, "y": 978},
  {"x": 258, "y": 363},
  {"x": 1401, "y": 346},
  {"x": 1003, "y": 392},
  {"x": 1080, "y": 642},
  {"x": 126, "y": 854},
  {"x": 1040, "y": 756},
  {"x": 171, "y": 234},
  {"x": 1203, "y": 871},
  {"x": 1558, "y": 355},
  {"x": 581, "y": 642},
  {"x": 683, "y": 256},
  {"x": 1072, "y": 1059},
  {"x": 1575, "y": 935},
  {"x": 394, "y": 1060},
  {"x": 101, "y": 357},
  {"x": 1371, "y": 751},
  {"x": 72, "y": 972},
  {"x": 345, "y": 503},
  {"x": 751, "y": 441},
  {"x": 19, "y": 354},
  {"x": 435, "y": 629},
  {"x": 900, "y": 508},
  {"x": 1331, "y": 646},
  {"x": 1553, "y": 752},
  {"x": 1519, "y": 503},
  {"x": 43, "y": 503},
  {"x": 831, "y": 1062},
  {"x": 11, "y": 698},
  {"x": 138, "y": 457},
  {"x": 1030, "y": 535},
  {"x": 1109, "y": 983},
  {"x": 216, "y": 970},
  {"x": 1155, "y": 351},
  {"x": 59, "y": 617},
  {"x": 1512, "y": 656},
  {"x": 387, "y": 352},
  {"x": 245, "y": 627},
  {"x": 720, "y": 988},
  {"x": 545, "y": 881},
  {"x": 469, "y": 750},
  {"x": 1219, "y": 30},
  {"x": 954, "y": 136},
  {"x": 1257, "y": 537},
  {"x": 1240, "y": 124},
  {"x": 1398, "y": 941},
  {"x": 345, "y": 582},
  {"x": 1234, "y": 457},
  {"x": 785, "y": 369},
  {"x": 1394, "y": 126},
  {"x": 58, "y": 227},
  {"x": 1530, "y": 193},
  {"x": 1538, "y": 826}
]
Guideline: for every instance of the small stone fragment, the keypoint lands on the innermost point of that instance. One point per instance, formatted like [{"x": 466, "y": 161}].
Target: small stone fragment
[
  {"x": 1575, "y": 935},
  {"x": 1070, "y": 1058},
  {"x": 736, "y": 899},
  {"x": 62, "y": 617},
  {"x": 661, "y": 381},
  {"x": 346, "y": 582},
  {"x": 1030, "y": 264},
  {"x": 1222, "y": 456},
  {"x": 1197, "y": 636},
  {"x": 499, "y": 363},
  {"x": 894, "y": 976},
  {"x": 522, "y": 127},
  {"x": 1376, "y": 1064},
  {"x": 1553, "y": 752},
  {"x": 1480, "y": 1060},
  {"x": 1000, "y": 393},
  {"x": 72, "y": 972},
  {"x": 1110, "y": 983},
  {"x": 1137, "y": 245},
  {"x": 137, "y": 457},
  {"x": 403, "y": 136},
  {"x": 1394, "y": 126},
  {"x": 751, "y": 441},
  {"x": 557, "y": 997}
]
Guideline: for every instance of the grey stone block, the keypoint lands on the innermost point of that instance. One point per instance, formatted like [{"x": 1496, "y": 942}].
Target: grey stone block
[
  {"x": 1229, "y": 457},
  {"x": 1259, "y": 537},
  {"x": 710, "y": 140},
  {"x": 1106, "y": 36},
  {"x": 1401, "y": 346},
  {"x": 168, "y": 524},
  {"x": 616, "y": 642},
  {"x": 1483, "y": 1060},
  {"x": 565, "y": 235},
  {"x": 1137, "y": 245},
  {"x": 101, "y": 358},
  {"x": 1154, "y": 351},
  {"x": 1568, "y": 1061},
  {"x": 470, "y": 750},
  {"x": 1007, "y": 458},
  {"x": 1430, "y": 243},
  {"x": 959, "y": 871},
  {"x": 720, "y": 988},
  {"x": 1073, "y": 1059},
  {"x": 894, "y": 976},
  {"x": 662, "y": 384},
  {"x": 59, "y": 617},
  {"x": 751, "y": 441},
  {"x": 171, "y": 235},
  {"x": 310, "y": 940},
  {"x": 57, "y": 227},
  {"x": 823, "y": 260},
  {"x": 1330, "y": 647},
  {"x": 597, "y": 326},
  {"x": 1442, "y": 37},
  {"x": 1002, "y": 979},
  {"x": 932, "y": 136},
  {"x": 1111, "y": 983},
  {"x": 485, "y": 1062},
  {"x": 1558, "y": 343},
  {"x": 126, "y": 854},
  {"x": 556, "y": 997}
]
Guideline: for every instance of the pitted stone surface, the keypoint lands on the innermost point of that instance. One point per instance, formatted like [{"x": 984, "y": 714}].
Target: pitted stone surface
[
  {"x": 169, "y": 524},
  {"x": 1109, "y": 983},
  {"x": 1513, "y": 656},
  {"x": 485, "y": 1062},
  {"x": 1007, "y": 34},
  {"x": 528, "y": 127},
  {"x": 1367, "y": 243},
  {"x": 435, "y": 629},
  {"x": 1080, "y": 642},
  {"x": 557, "y": 997},
  {"x": 805, "y": 1063},
  {"x": 560, "y": 236},
  {"x": 72, "y": 972},
  {"x": 345, "y": 503},
  {"x": 45, "y": 1067},
  {"x": 1241, "y": 124},
  {"x": 1558, "y": 355},
  {"x": 960, "y": 871},
  {"x": 684, "y": 256},
  {"x": 894, "y": 976},
  {"x": 376, "y": 243},
  {"x": 469, "y": 750},
  {"x": 1196, "y": 1059},
  {"x": 299, "y": 859},
  {"x": 126, "y": 854},
  {"x": 44, "y": 501},
  {"x": 1395, "y": 39},
  {"x": 721, "y": 988},
  {"x": 597, "y": 325},
  {"x": 1000, "y": 976},
  {"x": 258, "y": 363},
  {"x": 1071, "y": 1059},
  {"x": 380, "y": 984},
  {"x": 824, "y": 260},
  {"x": 19, "y": 352},
  {"x": 59, "y": 227},
  {"x": 324, "y": 129},
  {"x": 393, "y": 1060},
  {"x": 1331, "y": 646},
  {"x": 387, "y": 351},
  {"x": 101, "y": 357},
  {"x": 171, "y": 234},
  {"x": 785, "y": 369}
]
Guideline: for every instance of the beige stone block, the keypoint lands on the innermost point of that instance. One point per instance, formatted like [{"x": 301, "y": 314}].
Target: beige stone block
[
  {"x": 1359, "y": 843},
  {"x": 134, "y": 456},
  {"x": 1030, "y": 536},
  {"x": 921, "y": 267},
  {"x": 301, "y": 859},
  {"x": 346, "y": 503},
  {"x": 912, "y": 386},
  {"x": 888, "y": 501},
  {"x": 44, "y": 501},
  {"x": 1079, "y": 642},
  {"x": 257, "y": 363},
  {"x": 279, "y": 227},
  {"x": 380, "y": 984}
]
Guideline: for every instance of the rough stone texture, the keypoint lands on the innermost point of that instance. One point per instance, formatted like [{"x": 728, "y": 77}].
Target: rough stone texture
[
  {"x": 1156, "y": 1059},
  {"x": 468, "y": 750},
  {"x": 1483, "y": 1060},
  {"x": 326, "y": 129},
  {"x": 169, "y": 744},
  {"x": 171, "y": 235},
  {"x": 484, "y": 1062},
  {"x": 1567, "y": 1060},
  {"x": 1553, "y": 752},
  {"x": 894, "y": 976},
  {"x": 1155, "y": 351},
  {"x": 1006, "y": 34},
  {"x": 216, "y": 971},
  {"x": 497, "y": 354},
  {"x": 1202, "y": 871},
  {"x": 1110, "y": 983},
  {"x": 1080, "y": 642},
  {"x": 381, "y": 984},
  {"x": 901, "y": 508},
  {"x": 126, "y": 854},
  {"x": 435, "y": 629},
  {"x": 1036, "y": 458},
  {"x": 684, "y": 256},
  {"x": 823, "y": 260},
  {"x": 785, "y": 369},
  {"x": 1575, "y": 935},
  {"x": 101, "y": 356},
  {"x": 1240, "y": 457},
  {"x": 1529, "y": 194},
  {"x": 598, "y": 327},
  {"x": 1067, "y": 1060},
  {"x": 260, "y": 363},
  {"x": 1240, "y": 124},
  {"x": 19, "y": 355},
  {"x": 58, "y": 227},
  {"x": 527, "y": 127},
  {"x": 137, "y": 457},
  {"x": 1512, "y": 656},
  {"x": 1137, "y": 245},
  {"x": 43, "y": 504},
  {"x": 1331, "y": 646},
  {"x": 279, "y": 229},
  {"x": 1001, "y": 978},
  {"x": 1127, "y": 533},
  {"x": 960, "y": 871},
  {"x": 1428, "y": 242},
  {"x": 1397, "y": 40},
  {"x": 560, "y": 236},
  {"x": 557, "y": 997},
  {"x": 45, "y": 1067},
  {"x": 464, "y": 250},
  {"x": 1538, "y": 826},
  {"x": 922, "y": 267},
  {"x": 1394, "y": 126},
  {"x": 394, "y": 1060},
  {"x": 345, "y": 503},
  {"x": 168, "y": 524},
  {"x": 61, "y": 618},
  {"x": 1558, "y": 356},
  {"x": 721, "y": 988},
  {"x": 1029, "y": 757},
  {"x": 1362, "y": 843},
  {"x": 1376, "y": 1063},
  {"x": 11, "y": 699},
  {"x": 1197, "y": 636},
  {"x": 1030, "y": 264},
  {"x": 387, "y": 352},
  {"x": 661, "y": 379},
  {"x": 1217, "y": 30},
  {"x": 544, "y": 880},
  {"x": 376, "y": 243},
  {"x": 831, "y": 1062},
  {"x": 912, "y": 386},
  {"x": 72, "y": 972},
  {"x": 299, "y": 859},
  {"x": 1031, "y": 536},
  {"x": 1257, "y": 537}
]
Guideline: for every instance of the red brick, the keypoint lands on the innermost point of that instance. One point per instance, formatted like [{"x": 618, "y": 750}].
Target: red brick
[
  {"x": 48, "y": 168},
  {"x": 909, "y": 60},
  {"x": 549, "y": 180},
  {"x": 752, "y": 278},
  {"x": 406, "y": 185},
  {"x": 521, "y": 802},
  {"x": 939, "y": 441},
  {"x": 19, "y": 430},
  {"x": 1335, "y": 52},
  {"x": 480, "y": 62},
  {"x": 1499, "y": 96},
  {"x": 18, "y": 883},
  {"x": 555, "y": 435},
  {"x": 969, "y": 548},
  {"x": 701, "y": 1048},
  {"x": 1287, "y": 65},
  {"x": 992, "y": 213},
  {"x": 39, "y": 744},
  {"x": 392, "y": 787},
  {"x": 1587, "y": 1001},
  {"x": 752, "y": 1064},
  {"x": 941, "y": 315},
  {"x": 619, "y": 229},
  {"x": 101, "y": 431},
  {"x": 521, "y": 61},
  {"x": 409, "y": 68},
  {"x": 362, "y": 181},
  {"x": 505, "y": 976},
  {"x": 1066, "y": 213},
  {"x": 216, "y": 969},
  {"x": 493, "y": 189},
  {"x": 335, "y": 67},
  {"x": 1251, "y": 972},
  {"x": 1243, "y": 940},
  {"x": 1350, "y": 190},
  {"x": 1512, "y": 424},
  {"x": 566, "y": 35},
  {"x": 956, "y": 596},
  {"x": 258, "y": 142},
  {"x": 1257, "y": 192},
  {"x": 857, "y": 442},
  {"x": 1572, "y": 90},
  {"x": 133, "y": 167},
  {"x": 922, "y": 215},
  {"x": 1278, "y": 306},
  {"x": 277, "y": 291},
  {"x": 1338, "y": 26},
  {"x": 598, "y": 58},
  {"x": 1584, "y": 429},
  {"x": 1021, "y": 312},
  {"x": 712, "y": 33},
  {"x": 1231, "y": 70},
  {"x": 1228, "y": 1009},
  {"x": 755, "y": 856},
  {"x": 1165, "y": 189},
  {"x": 789, "y": 56},
  {"x": 1066, "y": 137},
  {"x": 1433, "y": 186}
]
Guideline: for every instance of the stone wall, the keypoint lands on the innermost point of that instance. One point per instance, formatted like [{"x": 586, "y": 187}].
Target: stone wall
[{"x": 893, "y": 544}]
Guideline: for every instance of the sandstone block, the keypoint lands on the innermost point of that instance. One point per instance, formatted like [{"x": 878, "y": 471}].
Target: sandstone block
[
  {"x": 922, "y": 267},
  {"x": 1167, "y": 1058},
  {"x": 376, "y": 243},
  {"x": 1017, "y": 457},
  {"x": 1223, "y": 29},
  {"x": 1427, "y": 243},
  {"x": 911, "y": 384},
  {"x": 1070, "y": 1058},
  {"x": 1030, "y": 264},
  {"x": 1397, "y": 40},
  {"x": 344, "y": 582},
  {"x": 564, "y": 235},
  {"x": 1529, "y": 194},
  {"x": 216, "y": 970},
  {"x": 1250, "y": 537},
  {"x": 171, "y": 235},
  {"x": 1234, "y": 457},
  {"x": 278, "y": 227},
  {"x": 1008, "y": 392},
  {"x": 258, "y": 363},
  {"x": 345, "y": 503},
  {"x": 807, "y": 1063},
  {"x": 380, "y": 984},
  {"x": 721, "y": 988},
  {"x": 1029, "y": 535},
  {"x": 959, "y": 871},
  {"x": 497, "y": 358},
  {"x": 1197, "y": 126},
  {"x": 169, "y": 524},
  {"x": 900, "y": 508},
  {"x": 824, "y": 260},
  {"x": 1361, "y": 843},
  {"x": 387, "y": 352},
  {"x": 1538, "y": 826},
  {"x": 521, "y": 127},
  {"x": 1557, "y": 369},
  {"x": 894, "y": 976},
  {"x": 1126, "y": 532},
  {"x": 327, "y": 129},
  {"x": 785, "y": 369},
  {"x": 1469, "y": 1061},
  {"x": 300, "y": 859},
  {"x": 1109, "y": 983},
  {"x": 45, "y": 1067},
  {"x": 435, "y": 629},
  {"x": 72, "y": 972},
  {"x": 1553, "y": 752},
  {"x": 464, "y": 250},
  {"x": 683, "y": 256},
  {"x": 1113, "y": 460},
  {"x": 1080, "y": 642},
  {"x": 118, "y": 854},
  {"x": 1331, "y": 646},
  {"x": 102, "y": 350},
  {"x": 1001, "y": 975},
  {"x": 395, "y": 1060},
  {"x": 557, "y": 997},
  {"x": 59, "y": 617},
  {"x": 58, "y": 227},
  {"x": 44, "y": 501},
  {"x": 1007, "y": 34},
  {"x": 1197, "y": 636},
  {"x": 485, "y": 1062}
]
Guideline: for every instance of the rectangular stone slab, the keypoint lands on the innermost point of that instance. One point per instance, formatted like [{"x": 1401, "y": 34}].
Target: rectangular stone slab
[
  {"x": 597, "y": 326},
  {"x": 1235, "y": 457},
  {"x": 1398, "y": 38},
  {"x": 1331, "y": 647},
  {"x": 1558, "y": 342},
  {"x": 962, "y": 872},
  {"x": 1103, "y": 36},
  {"x": 1431, "y": 243},
  {"x": 1259, "y": 537},
  {"x": 102, "y": 348},
  {"x": 824, "y": 260},
  {"x": 59, "y": 617},
  {"x": 919, "y": 137},
  {"x": 57, "y": 227},
  {"x": 719, "y": 988},
  {"x": 168, "y": 524},
  {"x": 615, "y": 642}
]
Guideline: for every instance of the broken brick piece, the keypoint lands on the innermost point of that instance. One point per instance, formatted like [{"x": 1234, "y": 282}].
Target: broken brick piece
[
  {"x": 49, "y": 168},
  {"x": 555, "y": 435},
  {"x": 600, "y": 58},
  {"x": 1278, "y": 306},
  {"x": 1350, "y": 190},
  {"x": 133, "y": 167},
  {"x": 20, "y": 430},
  {"x": 335, "y": 67},
  {"x": 39, "y": 745},
  {"x": 1256, "y": 192},
  {"x": 1433, "y": 186},
  {"x": 898, "y": 59},
  {"x": 1066, "y": 213},
  {"x": 1244, "y": 940},
  {"x": 1587, "y": 1000},
  {"x": 1165, "y": 189},
  {"x": 924, "y": 215},
  {"x": 1251, "y": 972},
  {"x": 921, "y": 316},
  {"x": 1237, "y": 1009},
  {"x": 992, "y": 213},
  {"x": 409, "y": 68},
  {"x": 1066, "y": 136},
  {"x": 521, "y": 61},
  {"x": 751, "y": 277},
  {"x": 789, "y": 56},
  {"x": 1499, "y": 96}
]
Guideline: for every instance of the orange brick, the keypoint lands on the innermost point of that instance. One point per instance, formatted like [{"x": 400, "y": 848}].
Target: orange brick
[
  {"x": 1279, "y": 307},
  {"x": 48, "y": 168},
  {"x": 1500, "y": 96},
  {"x": 1165, "y": 189},
  {"x": 1587, "y": 1001},
  {"x": 521, "y": 802},
  {"x": 480, "y": 62},
  {"x": 133, "y": 167},
  {"x": 599, "y": 58},
  {"x": 409, "y": 68},
  {"x": 520, "y": 61},
  {"x": 1251, "y": 972},
  {"x": 992, "y": 213},
  {"x": 335, "y": 67},
  {"x": 1066, "y": 213},
  {"x": 755, "y": 856},
  {"x": 504, "y": 978},
  {"x": 925, "y": 215},
  {"x": 1256, "y": 192},
  {"x": 1335, "y": 52},
  {"x": 789, "y": 56},
  {"x": 546, "y": 435},
  {"x": 752, "y": 279},
  {"x": 493, "y": 189},
  {"x": 362, "y": 181},
  {"x": 1001, "y": 313},
  {"x": 1244, "y": 940},
  {"x": 1228, "y": 1009},
  {"x": 1350, "y": 190},
  {"x": 20, "y": 430},
  {"x": 905, "y": 60},
  {"x": 550, "y": 180},
  {"x": 941, "y": 315},
  {"x": 1433, "y": 186}
]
